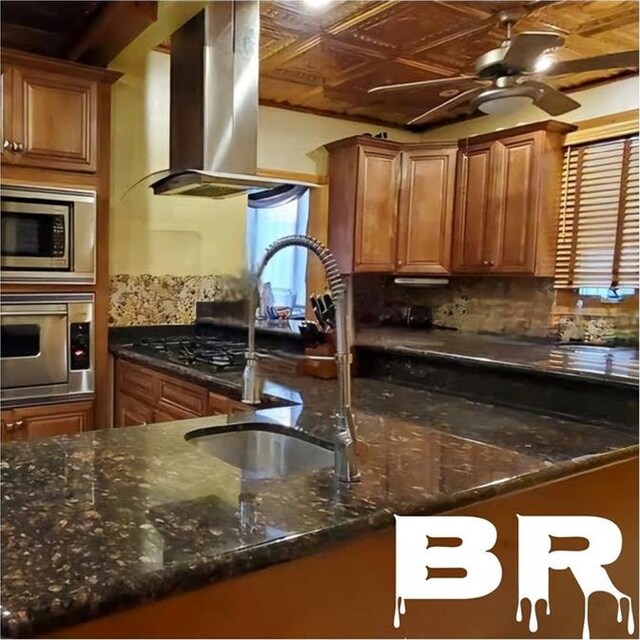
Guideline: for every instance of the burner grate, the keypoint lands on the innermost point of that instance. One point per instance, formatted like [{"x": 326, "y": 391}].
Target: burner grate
[{"x": 206, "y": 350}]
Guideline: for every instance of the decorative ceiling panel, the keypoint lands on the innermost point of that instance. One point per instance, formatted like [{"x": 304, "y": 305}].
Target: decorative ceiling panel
[{"x": 325, "y": 60}]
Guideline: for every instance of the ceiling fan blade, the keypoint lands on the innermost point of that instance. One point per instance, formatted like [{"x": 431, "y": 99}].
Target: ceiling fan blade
[
  {"x": 419, "y": 83},
  {"x": 551, "y": 100},
  {"x": 527, "y": 47},
  {"x": 461, "y": 98},
  {"x": 621, "y": 60}
]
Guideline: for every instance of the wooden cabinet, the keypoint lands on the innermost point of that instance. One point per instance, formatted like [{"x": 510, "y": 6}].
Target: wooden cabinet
[
  {"x": 426, "y": 209},
  {"x": 26, "y": 423},
  {"x": 54, "y": 120},
  {"x": 506, "y": 201},
  {"x": 144, "y": 396},
  {"x": 50, "y": 113},
  {"x": 391, "y": 205},
  {"x": 364, "y": 177}
]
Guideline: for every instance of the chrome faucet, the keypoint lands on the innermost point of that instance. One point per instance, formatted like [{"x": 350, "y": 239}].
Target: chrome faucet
[{"x": 346, "y": 440}]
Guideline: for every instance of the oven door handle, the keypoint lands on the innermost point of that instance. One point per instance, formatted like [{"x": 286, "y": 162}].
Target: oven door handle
[{"x": 51, "y": 314}]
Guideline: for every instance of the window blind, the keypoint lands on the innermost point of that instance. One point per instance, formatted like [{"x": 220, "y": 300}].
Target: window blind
[{"x": 598, "y": 223}]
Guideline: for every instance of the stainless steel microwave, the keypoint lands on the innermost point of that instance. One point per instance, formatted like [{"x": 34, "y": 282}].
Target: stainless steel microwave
[
  {"x": 46, "y": 349},
  {"x": 47, "y": 235}
]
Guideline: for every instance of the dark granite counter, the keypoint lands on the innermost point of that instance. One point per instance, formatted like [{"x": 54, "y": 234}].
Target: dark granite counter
[
  {"x": 615, "y": 365},
  {"x": 109, "y": 519}
]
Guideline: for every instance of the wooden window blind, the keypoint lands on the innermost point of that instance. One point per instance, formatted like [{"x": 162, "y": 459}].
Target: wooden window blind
[{"x": 598, "y": 224}]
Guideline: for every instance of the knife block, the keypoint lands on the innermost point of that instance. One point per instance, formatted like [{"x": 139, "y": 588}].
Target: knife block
[{"x": 325, "y": 369}]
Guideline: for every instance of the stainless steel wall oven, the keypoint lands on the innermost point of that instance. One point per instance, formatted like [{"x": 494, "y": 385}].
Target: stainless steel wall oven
[{"x": 46, "y": 347}]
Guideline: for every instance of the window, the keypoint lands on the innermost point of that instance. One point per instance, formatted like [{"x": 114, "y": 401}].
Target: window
[
  {"x": 273, "y": 215},
  {"x": 598, "y": 226}
]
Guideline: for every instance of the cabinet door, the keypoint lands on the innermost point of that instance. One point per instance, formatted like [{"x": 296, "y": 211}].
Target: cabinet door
[
  {"x": 7, "y": 111},
  {"x": 54, "y": 120},
  {"x": 471, "y": 245},
  {"x": 28, "y": 423},
  {"x": 376, "y": 209},
  {"x": 131, "y": 412},
  {"x": 425, "y": 211},
  {"x": 517, "y": 190}
]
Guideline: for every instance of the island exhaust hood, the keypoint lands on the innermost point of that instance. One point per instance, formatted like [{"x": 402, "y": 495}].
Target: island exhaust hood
[{"x": 214, "y": 105}]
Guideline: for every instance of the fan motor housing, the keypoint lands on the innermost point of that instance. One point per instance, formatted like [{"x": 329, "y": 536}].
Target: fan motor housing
[{"x": 491, "y": 64}]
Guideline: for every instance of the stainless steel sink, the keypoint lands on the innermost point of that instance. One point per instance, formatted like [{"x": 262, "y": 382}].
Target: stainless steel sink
[{"x": 263, "y": 454}]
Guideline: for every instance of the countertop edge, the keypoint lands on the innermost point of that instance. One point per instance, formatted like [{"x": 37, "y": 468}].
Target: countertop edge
[{"x": 235, "y": 563}]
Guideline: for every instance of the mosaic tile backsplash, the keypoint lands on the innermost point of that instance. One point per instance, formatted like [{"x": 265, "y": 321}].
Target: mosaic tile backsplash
[
  {"x": 527, "y": 307},
  {"x": 152, "y": 300}
]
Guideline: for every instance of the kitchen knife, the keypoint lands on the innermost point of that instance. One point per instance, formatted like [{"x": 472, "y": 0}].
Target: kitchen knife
[
  {"x": 329, "y": 315},
  {"x": 317, "y": 311}
]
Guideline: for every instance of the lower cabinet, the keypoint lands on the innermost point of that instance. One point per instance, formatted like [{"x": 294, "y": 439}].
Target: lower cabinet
[
  {"x": 144, "y": 396},
  {"x": 26, "y": 423}
]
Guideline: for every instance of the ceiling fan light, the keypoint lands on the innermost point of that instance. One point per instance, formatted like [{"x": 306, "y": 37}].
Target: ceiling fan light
[
  {"x": 506, "y": 105},
  {"x": 544, "y": 63}
]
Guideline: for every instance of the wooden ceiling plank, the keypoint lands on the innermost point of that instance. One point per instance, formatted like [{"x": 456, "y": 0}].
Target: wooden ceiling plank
[{"x": 113, "y": 28}]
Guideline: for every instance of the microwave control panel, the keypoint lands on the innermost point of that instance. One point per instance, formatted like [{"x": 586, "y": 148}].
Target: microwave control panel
[
  {"x": 58, "y": 237},
  {"x": 80, "y": 345}
]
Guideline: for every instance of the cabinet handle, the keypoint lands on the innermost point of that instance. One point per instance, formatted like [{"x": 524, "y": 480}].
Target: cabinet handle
[
  {"x": 6, "y": 145},
  {"x": 18, "y": 147},
  {"x": 18, "y": 424},
  {"x": 9, "y": 426},
  {"x": 490, "y": 263}
]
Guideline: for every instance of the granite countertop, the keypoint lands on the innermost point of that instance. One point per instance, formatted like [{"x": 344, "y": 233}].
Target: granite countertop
[
  {"x": 108, "y": 519},
  {"x": 617, "y": 365}
]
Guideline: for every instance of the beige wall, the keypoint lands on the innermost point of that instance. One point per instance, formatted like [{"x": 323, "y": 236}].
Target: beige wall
[
  {"x": 185, "y": 235},
  {"x": 613, "y": 97}
]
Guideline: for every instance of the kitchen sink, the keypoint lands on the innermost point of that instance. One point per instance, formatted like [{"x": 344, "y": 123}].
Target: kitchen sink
[{"x": 261, "y": 453}]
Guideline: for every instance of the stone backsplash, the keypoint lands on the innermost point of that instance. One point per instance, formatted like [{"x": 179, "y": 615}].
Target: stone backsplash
[
  {"x": 528, "y": 307},
  {"x": 160, "y": 300}
]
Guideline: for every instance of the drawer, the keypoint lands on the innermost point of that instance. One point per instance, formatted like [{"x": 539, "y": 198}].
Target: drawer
[
  {"x": 166, "y": 412},
  {"x": 136, "y": 381},
  {"x": 183, "y": 395}
]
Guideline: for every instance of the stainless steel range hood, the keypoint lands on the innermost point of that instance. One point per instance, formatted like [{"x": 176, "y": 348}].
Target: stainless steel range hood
[{"x": 214, "y": 104}]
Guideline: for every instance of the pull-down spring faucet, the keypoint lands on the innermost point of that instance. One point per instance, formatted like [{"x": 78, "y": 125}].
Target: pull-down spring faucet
[{"x": 346, "y": 439}]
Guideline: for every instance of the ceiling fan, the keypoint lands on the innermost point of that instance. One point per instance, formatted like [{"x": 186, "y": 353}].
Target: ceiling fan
[{"x": 509, "y": 75}]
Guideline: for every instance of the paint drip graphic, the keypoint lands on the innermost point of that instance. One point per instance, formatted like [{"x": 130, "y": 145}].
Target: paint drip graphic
[{"x": 536, "y": 559}]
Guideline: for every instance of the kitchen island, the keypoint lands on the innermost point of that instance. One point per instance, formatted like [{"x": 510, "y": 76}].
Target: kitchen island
[{"x": 109, "y": 523}]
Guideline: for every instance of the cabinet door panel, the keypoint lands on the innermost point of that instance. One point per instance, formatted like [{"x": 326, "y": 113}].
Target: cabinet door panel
[
  {"x": 425, "y": 212},
  {"x": 50, "y": 420},
  {"x": 473, "y": 203},
  {"x": 376, "y": 209},
  {"x": 54, "y": 117},
  {"x": 517, "y": 192},
  {"x": 7, "y": 111},
  {"x": 130, "y": 412}
]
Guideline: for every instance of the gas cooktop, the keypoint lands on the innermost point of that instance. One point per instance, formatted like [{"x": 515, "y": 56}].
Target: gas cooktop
[{"x": 214, "y": 352}]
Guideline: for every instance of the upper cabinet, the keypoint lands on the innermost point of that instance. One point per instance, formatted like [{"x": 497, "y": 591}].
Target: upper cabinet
[
  {"x": 505, "y": 220},
  {"x": 364, "y": 176},
  {"x": 50, "y": 114},
  {"x": 425, "y": 209},
  {"x": 390, "y": 206}
]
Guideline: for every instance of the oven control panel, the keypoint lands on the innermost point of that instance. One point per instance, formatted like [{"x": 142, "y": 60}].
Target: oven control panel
[{"x": 80, "y": 345}]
